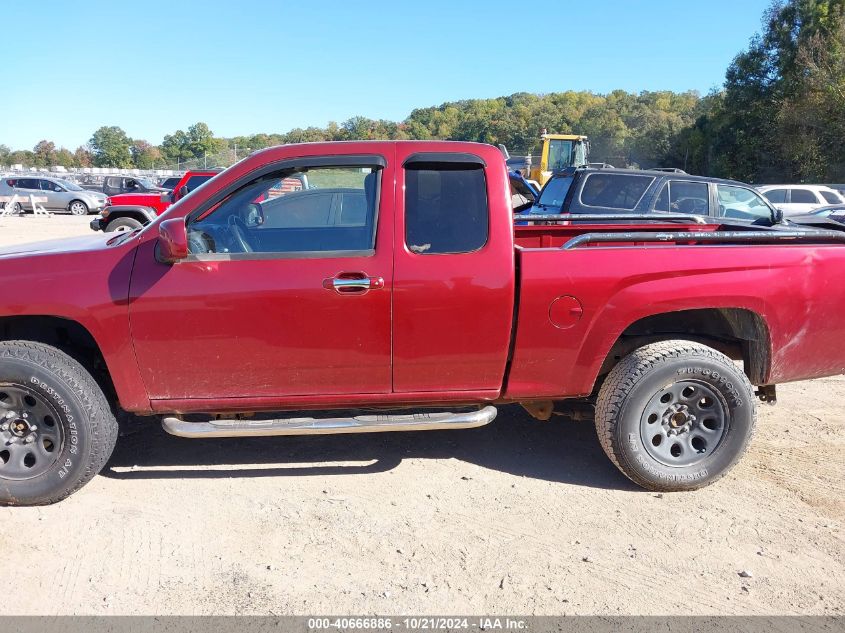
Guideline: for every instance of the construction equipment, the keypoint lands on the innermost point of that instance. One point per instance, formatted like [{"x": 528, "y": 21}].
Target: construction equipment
[
  {"x": 557, "y": 152},
  {"x": 560, "y": 151}
]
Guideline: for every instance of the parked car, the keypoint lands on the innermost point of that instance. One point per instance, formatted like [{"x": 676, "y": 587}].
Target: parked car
[
  {"x": 61, "y": 195},
  {"x": 114, "y": 185},
  {"x": 625, "y": 191},
  {"x": 406, "y": 286},
  {"x": 832, "y": 217},
  {"x": 797, "y": 199},
  {"x": 130, "y": 211}
]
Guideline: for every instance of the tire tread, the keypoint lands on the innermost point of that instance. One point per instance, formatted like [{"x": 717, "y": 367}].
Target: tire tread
[
  {"x": 625, "y": 375},
  {"x": 101, "y": 422}
]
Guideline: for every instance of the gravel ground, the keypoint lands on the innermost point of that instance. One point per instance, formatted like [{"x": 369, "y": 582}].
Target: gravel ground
[{"x": 517, "y": 517}]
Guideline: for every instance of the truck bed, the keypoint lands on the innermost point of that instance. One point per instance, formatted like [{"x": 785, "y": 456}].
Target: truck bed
[{"x": 790, "y": 291}]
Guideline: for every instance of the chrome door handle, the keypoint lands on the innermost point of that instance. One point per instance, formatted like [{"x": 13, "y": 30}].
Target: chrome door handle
[{"x": 345, "y": 285}]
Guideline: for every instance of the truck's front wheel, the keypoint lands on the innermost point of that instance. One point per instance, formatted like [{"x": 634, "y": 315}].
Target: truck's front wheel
[
  {"x": 675, "y": 415},
  {"x": 56, "y": 428}
]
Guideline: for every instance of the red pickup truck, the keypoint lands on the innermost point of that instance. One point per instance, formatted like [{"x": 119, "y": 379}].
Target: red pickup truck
[
  {"x": 390, "y": 276},
  {"x": 129, "y": 211}
]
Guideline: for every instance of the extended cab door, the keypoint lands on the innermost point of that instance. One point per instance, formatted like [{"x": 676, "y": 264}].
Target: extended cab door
[
  {"x": 286, "y": 292},
  {"x": 454, "y": 271}
]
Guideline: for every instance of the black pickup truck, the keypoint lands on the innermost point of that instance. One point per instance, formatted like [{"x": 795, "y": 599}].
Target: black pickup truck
[{"x": 589, "y": 191}]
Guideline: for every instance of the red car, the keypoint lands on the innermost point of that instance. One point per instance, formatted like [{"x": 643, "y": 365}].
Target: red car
[
  {"x": 392, "y": 278},
  {"x": 130, "y": 211}
]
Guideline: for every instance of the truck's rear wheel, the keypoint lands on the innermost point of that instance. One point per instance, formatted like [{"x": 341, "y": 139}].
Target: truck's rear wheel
[
  {"x": 675, "y": 415},
  {"x": 56, "y": 428},
  {"x": 123, "y": 224}
]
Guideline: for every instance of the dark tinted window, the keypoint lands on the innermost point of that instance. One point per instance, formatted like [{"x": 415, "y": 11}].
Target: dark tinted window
[
  {"x": 614, "y": 191},
  {"x": 28, "y": 183},
  {"x": 445, "y": 208},
  {"x": 196, "y": 181},
  {"x": 320, "y": 209},
  {"x": 47, "y": 185},
  {"x": 831, "y": 197},
  {"x": 776, "y": 195},
  {"x": 803, "y": 196},
  {"x": 678, "y": 196}
]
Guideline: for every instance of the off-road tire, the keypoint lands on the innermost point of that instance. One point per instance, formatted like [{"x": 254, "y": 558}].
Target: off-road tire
[
  {"x": 83, "y": 416},
  {"x": 123, "y": 224},
  {"x": 629, "y": 393}
]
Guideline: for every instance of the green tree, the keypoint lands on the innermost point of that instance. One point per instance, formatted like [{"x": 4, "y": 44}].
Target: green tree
[
  {"x": 82, "y": 157},
  {"x": 63, "y": 157},
  {"x": 45, "y": 153},
  {"x": 145, "y": 155},
  {"x": 110, "y": 147}
]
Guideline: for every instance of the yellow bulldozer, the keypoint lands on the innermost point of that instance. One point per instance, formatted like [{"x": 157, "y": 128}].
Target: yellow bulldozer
[{"x": 558, "y": 151}]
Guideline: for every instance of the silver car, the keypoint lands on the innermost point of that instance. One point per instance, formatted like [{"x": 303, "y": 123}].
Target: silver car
[{"x": 55, "y": 194}]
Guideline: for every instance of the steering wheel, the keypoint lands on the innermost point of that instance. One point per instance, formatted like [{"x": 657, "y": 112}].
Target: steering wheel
[
  {"x": 239, "y": 233},
  {"x": 199, "y": 243}
]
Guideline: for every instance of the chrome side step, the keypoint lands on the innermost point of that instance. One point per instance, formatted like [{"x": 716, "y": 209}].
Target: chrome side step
[{"x": 328, "y": 426}]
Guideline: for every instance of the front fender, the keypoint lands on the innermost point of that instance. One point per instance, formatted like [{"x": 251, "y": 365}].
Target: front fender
[{"x": 142, "y": 213}]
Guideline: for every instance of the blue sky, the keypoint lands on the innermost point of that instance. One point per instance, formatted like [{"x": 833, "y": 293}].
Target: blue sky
[{"x": 153, "y": 67}]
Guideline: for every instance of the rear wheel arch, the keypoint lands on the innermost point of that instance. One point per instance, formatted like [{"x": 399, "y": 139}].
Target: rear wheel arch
[{"x": 739, "y": 333}]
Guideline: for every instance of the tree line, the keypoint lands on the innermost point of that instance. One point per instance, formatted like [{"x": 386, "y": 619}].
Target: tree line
[{"x": 780, "y": 116}]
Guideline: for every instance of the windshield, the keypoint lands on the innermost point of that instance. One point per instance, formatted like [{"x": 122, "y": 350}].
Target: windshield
[
  {"x": 560, "y": 155},
  {"x": 70, "y": 186},
  {"x": 554, "y": 193},
  {"x": 146, "y": 183}
]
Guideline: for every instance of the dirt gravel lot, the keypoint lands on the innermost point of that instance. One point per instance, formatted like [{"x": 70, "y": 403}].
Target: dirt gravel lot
[{"x": 518, "y": 517}]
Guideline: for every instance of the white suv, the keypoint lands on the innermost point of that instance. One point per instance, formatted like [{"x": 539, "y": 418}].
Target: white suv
[{"x": 797, "y": 199}]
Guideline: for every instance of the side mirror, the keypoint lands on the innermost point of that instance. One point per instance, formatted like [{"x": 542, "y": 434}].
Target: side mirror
[
  {"x": 181, "y": 193},
  {"x": 172, "y": 241},
  {"x": 166, "y": 197},
  {"x": 777, "y": 216}
]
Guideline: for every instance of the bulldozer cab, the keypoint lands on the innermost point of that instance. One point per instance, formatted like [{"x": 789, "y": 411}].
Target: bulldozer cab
[{"x": 560, "y": 151}]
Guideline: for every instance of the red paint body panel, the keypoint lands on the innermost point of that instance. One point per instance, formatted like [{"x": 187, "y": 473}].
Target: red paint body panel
[
  {"x": 266, "y": 334},
  {"x": 453, "y": 313},
  {"x": 793, "y": 288}
]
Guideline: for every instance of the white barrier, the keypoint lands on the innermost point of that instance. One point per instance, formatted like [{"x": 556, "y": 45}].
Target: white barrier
[{"x": 11, "y": 201}]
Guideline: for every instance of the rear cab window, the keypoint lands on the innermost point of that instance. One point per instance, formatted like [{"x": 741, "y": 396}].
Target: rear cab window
[
  {"x": 614, "y": 191},
  {"x": 446, "y": 208}
]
